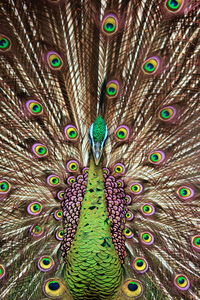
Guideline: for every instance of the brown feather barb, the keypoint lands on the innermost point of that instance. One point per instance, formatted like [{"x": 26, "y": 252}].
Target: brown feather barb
[{"x": 136, "y": 63}]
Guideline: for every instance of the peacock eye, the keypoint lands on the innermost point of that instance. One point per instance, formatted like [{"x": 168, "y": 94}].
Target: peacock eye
[
  {"x": 54, "y": 287},
  {"x": 185, "y": 192},
  {"x": 54, "y": 60},
  {"x": 122, "y": 133},
  {"x": 5, "y": 187},
  {"x": 60, "y": 195},
  {"x": 58, "y": 214},
  {"x": 195, "y": 240},
  {"x": 45, "y": 263},
  {"x": 71, "y": 133},
  {"x": 129, "y": 216},
  {"x": 34, "y": 107},
  {"x": 34, "y": 208},
  {"x": 182, "y": 282},
  {"x": 71, "y": 179},
  {"x": 147, "y": 238},
  {"x": 151, "y": 65},
  {"x": 110, "y": 24},
  {"x": 40, "y": 150},
  {"x": 156, "y": 157},
  {"x": 5, "y": 43},
  {"x": 128, "y": 199},
  {"x": 132, "y": 288},
  {"x": 167, "y": 113},
  {"x": 59, "y": 235},
  {"x": 53, "y": 180},
  {"x": 112, "y": 88},
  {"x": 2, "y": 271},
  {"x": 72, "y": 166},
  {"x": 147, "y": 209},
  {"x": 174, "y": 5},
  {"x": 106, "y": 171},
  {"x": 36, "y": 230},
  {"x": 128, "y": 233},
  {"x": 140, "y": 265},
  {"x": 119, "y": 169},
  {"x": 120, "y": 183},
  {"x": 85, "y": 170},
  {"x": 136, "y": 188}
]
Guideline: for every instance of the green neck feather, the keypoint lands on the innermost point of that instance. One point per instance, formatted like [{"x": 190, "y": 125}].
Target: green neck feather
[
  {"x": 93, "y": 267},
  {"x": 99, "y": 129}
]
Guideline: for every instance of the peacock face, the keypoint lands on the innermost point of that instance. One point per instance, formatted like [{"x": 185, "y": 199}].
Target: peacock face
[{"x": 98, "y": 134}]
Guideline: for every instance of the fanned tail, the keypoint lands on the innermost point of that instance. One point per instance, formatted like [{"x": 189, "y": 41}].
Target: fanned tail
[{"x": 137, "y": 64}]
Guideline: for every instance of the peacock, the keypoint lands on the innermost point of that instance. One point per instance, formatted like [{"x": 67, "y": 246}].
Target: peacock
[{"x": 99, "y": 148}]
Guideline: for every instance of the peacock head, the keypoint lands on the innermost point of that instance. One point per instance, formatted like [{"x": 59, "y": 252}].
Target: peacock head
[{"x": 98, "y": 134}]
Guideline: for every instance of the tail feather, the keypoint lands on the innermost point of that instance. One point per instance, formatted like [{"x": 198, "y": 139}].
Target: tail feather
[{"x": 62, "y": 62}]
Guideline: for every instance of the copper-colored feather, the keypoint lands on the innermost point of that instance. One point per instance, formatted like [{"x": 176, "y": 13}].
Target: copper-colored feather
[{"x": 74, "y": 93}]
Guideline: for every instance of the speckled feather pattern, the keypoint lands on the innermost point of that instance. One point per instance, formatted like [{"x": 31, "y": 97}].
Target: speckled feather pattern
[{"x": 59, "y": 70}]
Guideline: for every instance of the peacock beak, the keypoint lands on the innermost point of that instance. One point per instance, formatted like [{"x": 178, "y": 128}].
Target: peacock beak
[{"x": 97, "y": 152}]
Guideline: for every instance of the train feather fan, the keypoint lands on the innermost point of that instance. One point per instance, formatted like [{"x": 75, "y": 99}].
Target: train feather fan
[{"x": 99, "y": 147}]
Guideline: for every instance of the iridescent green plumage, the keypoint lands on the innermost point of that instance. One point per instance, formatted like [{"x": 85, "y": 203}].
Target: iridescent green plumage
[
  {"x": 69, "y": 68},
  {"x": 99, "y": 129},
  {"x": 93, "y": 268}
]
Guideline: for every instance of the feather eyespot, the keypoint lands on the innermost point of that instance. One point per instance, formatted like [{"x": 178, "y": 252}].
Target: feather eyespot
[
  {"x": 34, "y": 107},
  {"x": 128, "y": 233},
  {"x": 122, "y": 133},
  {"x": 71, "y": 133},
  {"x": 129, "y": 215},
  {"x": 72, "y": 166},
  {"x": 53, "y": 180},
  {"x": 119, "y": 169},
  {"x": 140, "y": 265},
  {"x": 110, "y": 24},
  {"x": 167, "y": 113},
  {"x": 34, "y": 208},
  {"x": 151, "y": 65},
  {"x": 174, "y": 6},
  {"x": 147, "y": 209},
  {"x": 54, "y": 287},
  {"x": 40, "y": 150},
  {"x": 71, "y": 179},
  {"x": 136, "y": 188},
  {"x": 106, "y": 171},
  {"x": 132, "y": 288},
  {"x": 195, "y": 240},
  {"x": 185, "y": 192},
  {"x": 120, "y": 183},
  {"x": 59, "y": 234},
  {"x": 5, "y": 187},
  {"x": 54, "y": 60},
  {"x": 128, "y": 199},
  {"x": 36, "y": 230},
  {"x": 45, "y": 263},
  {"x": 85, "y": 170},
  {"x": 5, "y": 43},
  {"x": 2, "y": 271},
  {"x": 182, "y": 282},
  {"x": 147, "y": 238},
  {"x": 58, "y": 214},
  {"x": 156, "y": 157},
  {"x": 60, "y": 195},
  {"x": 112, "y": 89}
]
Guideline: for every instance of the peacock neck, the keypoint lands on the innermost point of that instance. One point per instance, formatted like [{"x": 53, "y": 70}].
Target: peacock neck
[
  {"x": 93, "y": 210},
  {"x": 92, "y": 260}
]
